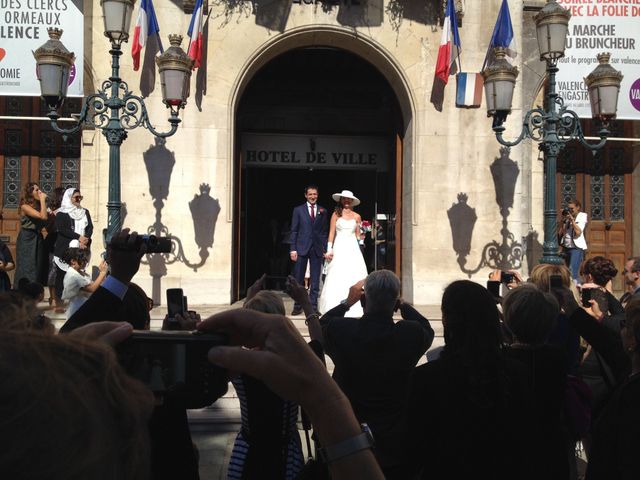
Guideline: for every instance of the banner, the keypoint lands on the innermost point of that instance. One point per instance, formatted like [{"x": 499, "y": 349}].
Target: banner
[
  {"x": 598, "y": 26},
  {"x": 23, "y": 28},
  {"x": 315, "y": 152}
]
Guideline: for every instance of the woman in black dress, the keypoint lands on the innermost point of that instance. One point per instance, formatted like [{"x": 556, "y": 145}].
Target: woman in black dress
[{"x": 31, "y": 257}]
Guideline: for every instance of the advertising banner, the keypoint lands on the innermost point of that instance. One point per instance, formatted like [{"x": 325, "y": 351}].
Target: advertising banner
[
  {"x": 23, "y": 28},
  {"x": 598, "y": 26}
]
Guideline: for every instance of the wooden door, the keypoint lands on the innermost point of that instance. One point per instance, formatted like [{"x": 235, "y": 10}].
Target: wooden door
[{"x": 602, "y": 183}]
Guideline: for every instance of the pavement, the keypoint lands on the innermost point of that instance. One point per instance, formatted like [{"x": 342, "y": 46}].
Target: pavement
[{"x": 214, "y": 428}]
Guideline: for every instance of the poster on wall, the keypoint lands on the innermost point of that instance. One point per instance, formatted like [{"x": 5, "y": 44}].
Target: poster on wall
[
  {"x": 598, "y": 26},
  {"x": 23, "y": 28}
]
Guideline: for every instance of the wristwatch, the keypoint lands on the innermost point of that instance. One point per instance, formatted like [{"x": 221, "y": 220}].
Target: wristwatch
[
  {"x": 345, "y": 302},
  {"x": 347, "y": 447}
]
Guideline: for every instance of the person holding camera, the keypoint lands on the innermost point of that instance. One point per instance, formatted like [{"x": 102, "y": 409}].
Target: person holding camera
[
  {"x": 374, "y": 359},
  {"x": 572, "y": 236}
]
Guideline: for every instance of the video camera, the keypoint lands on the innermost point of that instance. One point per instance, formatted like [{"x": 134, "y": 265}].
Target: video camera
[
  {"x": 565, "y": 211},
  {"x": 174, "y": 364}
]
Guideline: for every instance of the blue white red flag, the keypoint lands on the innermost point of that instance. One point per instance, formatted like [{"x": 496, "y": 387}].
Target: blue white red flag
[
  {"x": 146, "y": 25},
  {"x": 448, "y": 55},
  {"x": 195, "y": 34},
  {"x": 469, "y": 90},
  {"x": 502, "y": 36}
]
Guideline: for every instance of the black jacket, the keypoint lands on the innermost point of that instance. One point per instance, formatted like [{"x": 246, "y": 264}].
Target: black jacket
[{"x": 64, "y": 226}]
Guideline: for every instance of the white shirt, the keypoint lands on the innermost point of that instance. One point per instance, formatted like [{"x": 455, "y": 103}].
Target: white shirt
[
  {"x": 74, "y": 282},
  {"x": 581, "y": 241}
]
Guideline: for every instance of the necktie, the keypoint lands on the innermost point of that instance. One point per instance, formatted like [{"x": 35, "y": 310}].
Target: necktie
[{"x": 313, "y": 212}]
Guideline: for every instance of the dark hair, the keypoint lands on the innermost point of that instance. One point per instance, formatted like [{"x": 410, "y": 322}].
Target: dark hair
[
  {"x": 576, "y": 202},
  {"x": 530, "y": 313},
  {"x": 311, "y": 186},
  {"x": 55, "y": 200},
  {"x": 30, "y": 289},
  {"x": 473, "y": 338},
  {"x": 600, "y": 268},
  {"x": 27, "y": 195},
  {"x": 80, "y": 255},
  {"x": 338, "y": 209},
  {"x": 635, "y": 266}
]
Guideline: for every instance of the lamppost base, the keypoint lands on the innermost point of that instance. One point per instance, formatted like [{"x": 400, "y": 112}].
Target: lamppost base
[{"x": 552, "y": 259}]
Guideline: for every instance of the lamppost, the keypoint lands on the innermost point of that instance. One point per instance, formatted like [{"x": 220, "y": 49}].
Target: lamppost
[
  {"x": 554, "y": 125},
  {"x": 114, "y": 109}
]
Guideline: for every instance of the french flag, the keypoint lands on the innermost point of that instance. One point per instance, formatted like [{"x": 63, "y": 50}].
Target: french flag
[
  {"x": 469, "y": 90},
  {"x": 448, "y": 54},
  {"x": 146, "y": 25},
  {"x": 502, "y": 36},
  {"x": 195, "y": 34}
]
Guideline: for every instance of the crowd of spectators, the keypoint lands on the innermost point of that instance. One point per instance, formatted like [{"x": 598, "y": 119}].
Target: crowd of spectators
[{"x": 520, "y": 380}]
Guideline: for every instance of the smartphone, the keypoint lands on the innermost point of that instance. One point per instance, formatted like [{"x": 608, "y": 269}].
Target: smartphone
[
  {"x": 174, "y": 364},
  {"x": 586, "y": 296},
  {"x": 175, "y": 302},
  {"x": 506, "y": 277},
  {"x": 555, "y": 281}
]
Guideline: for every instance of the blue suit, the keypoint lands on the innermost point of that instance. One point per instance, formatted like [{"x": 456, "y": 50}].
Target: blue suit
[{"x": 309, "y": 240}]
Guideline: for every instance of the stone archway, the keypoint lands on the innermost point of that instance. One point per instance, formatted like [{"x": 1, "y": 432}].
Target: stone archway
[{"x": 378, "y": 57}]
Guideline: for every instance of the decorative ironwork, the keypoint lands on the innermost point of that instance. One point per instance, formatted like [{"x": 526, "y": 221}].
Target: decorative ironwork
[
  {"x": 597, "y": 197},
  {"x": 47, "y": 143},
  {"x": 568, "y": 190},
  {"x": 553, "y": 127},
  {"x": 114, "y": 109},
  {"x": 15, "y": 106},
  {"x": 616, "y": 197},
  {"x": 13, "y": 142},
  {"x": 12, "y": 182},
  {"x": 70, "y": 172},
  {"x": 47, "y": 180}
]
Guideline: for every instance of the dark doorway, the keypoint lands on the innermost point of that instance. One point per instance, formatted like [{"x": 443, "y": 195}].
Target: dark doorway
[{"x": 320, "y": 92}]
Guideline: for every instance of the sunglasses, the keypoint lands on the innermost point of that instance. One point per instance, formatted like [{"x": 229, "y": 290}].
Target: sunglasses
[{"x": 77, "y": 198}]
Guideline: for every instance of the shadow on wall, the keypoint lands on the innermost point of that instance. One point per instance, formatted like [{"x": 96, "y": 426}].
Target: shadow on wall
[
  {"x": 204, "y": 209},
  {"x": 505, "y": 254}
]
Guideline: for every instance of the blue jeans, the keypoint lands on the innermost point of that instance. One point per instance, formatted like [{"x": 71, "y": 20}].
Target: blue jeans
[{"x": 574, "y": 260}]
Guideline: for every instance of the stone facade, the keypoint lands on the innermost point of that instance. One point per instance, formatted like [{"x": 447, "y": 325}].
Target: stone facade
[{"x": 444, "y": 154}]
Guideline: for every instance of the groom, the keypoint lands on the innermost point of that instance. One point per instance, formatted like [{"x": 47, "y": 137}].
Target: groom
[{"x": 309, "y": 232}]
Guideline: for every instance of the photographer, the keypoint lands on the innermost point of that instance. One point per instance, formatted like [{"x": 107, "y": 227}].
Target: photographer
[{"x": 572, "y": 238}]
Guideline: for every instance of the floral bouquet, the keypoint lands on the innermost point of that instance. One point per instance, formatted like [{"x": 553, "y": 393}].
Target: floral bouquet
[{"x": 365, "y": 227}]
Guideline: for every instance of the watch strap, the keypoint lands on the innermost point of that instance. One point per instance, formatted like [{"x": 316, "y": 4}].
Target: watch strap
[{"x": 347, "y": 447}]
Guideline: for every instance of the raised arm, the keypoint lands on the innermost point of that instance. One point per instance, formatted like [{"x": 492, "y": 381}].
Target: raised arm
[
  {"x": 93, "y": 286},
  {"x": 32, "y": 212}
]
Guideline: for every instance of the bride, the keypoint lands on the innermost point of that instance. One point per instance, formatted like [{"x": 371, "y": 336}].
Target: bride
[{"x": 346, "y": 265}]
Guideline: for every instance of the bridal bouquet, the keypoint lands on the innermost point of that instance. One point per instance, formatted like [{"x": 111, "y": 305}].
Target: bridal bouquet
[{"x": 365, "y": 227}]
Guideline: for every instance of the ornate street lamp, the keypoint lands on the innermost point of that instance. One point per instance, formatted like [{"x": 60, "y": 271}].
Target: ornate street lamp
[
  {"x": 554, "y": 125},
  {"x": 114, "y": 109}
]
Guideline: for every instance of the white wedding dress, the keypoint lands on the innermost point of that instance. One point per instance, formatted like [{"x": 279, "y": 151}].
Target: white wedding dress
[{"x": 346, "y": 268}]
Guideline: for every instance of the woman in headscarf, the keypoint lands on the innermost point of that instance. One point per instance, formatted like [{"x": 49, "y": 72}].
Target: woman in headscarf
[{"x": 74, "y": 226}]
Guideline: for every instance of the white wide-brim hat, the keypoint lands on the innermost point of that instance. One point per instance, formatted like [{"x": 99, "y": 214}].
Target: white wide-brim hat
[{"x": 347, "y": 194}]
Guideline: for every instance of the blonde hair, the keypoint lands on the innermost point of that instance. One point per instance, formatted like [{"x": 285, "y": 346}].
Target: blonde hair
[
  {"x": 267, "y": 302},
  {"x": 541, "y": 276},
  {"x": 69, "y": 412}
]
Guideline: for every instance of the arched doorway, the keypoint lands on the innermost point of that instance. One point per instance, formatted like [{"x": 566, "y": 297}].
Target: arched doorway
[{"x": 319, "y": 115}]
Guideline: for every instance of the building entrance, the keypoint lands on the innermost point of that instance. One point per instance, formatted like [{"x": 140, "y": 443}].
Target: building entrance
[{"x": 317, "y": 116}]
